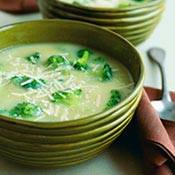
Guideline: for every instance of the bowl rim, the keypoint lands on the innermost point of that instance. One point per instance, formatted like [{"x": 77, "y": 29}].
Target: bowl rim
[
  {"x": 101, "y": 14},
  {"x": 87, "y": 119},
  {"x": 107, "y": 21},
  {"x": 103, "y": 9}
]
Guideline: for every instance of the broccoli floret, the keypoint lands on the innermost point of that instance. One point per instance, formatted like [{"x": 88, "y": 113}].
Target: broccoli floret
[
  {"x": 26, "y": 109},
  {"x": 34, "y": 58},
  {"x": 66, "y": 97},
  {"x": 55, "y": 60},
  {"x": 82, "y": 63},
  {"x": 114, "y": 99},
  {"x": 80, "y": 53},
  {"x": 27, "y": 82},
  {"x": 103, "y": 72},
  {"x": 107, "y": 73}
]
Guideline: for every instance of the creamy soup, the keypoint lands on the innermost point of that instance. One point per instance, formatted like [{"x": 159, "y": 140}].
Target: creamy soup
[
  {"x": 59, "y": 82},
  {"x": 105, "y": 3}
]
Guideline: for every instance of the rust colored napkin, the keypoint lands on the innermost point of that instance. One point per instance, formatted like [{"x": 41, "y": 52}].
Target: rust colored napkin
[
  {"x": 18, "y": 6},
  {"x": 158, "y": 136}
]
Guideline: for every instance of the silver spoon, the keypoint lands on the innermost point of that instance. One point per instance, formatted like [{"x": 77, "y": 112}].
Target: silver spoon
[{"x": 165, "y": 107}]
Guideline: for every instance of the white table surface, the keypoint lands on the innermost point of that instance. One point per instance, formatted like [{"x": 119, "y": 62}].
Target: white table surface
[{"x": 115, "y": 160}]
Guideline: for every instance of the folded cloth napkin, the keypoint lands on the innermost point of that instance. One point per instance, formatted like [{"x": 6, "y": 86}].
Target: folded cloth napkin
[
  {"x": 18, "y": 5},
  {"x": 158, "y": 136}
]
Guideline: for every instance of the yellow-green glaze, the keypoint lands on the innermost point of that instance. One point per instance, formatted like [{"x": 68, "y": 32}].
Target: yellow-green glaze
[
  {"x": 120, "y": 20},
  {"x": 45, "y": 144}
]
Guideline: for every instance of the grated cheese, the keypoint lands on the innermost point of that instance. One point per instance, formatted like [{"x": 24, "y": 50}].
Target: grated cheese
[{"x": 90, "y": 103}]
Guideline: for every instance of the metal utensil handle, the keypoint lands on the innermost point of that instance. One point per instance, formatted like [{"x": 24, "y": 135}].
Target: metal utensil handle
[{"x": 158, "y": 56}]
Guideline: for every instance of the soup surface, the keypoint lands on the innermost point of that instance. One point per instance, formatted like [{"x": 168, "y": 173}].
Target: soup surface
[
  {"x": 59, "y": 82},
  {"x": 105, "y": 3}
]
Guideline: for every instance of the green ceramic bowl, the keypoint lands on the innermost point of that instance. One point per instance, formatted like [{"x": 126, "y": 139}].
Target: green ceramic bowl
[
  {"x": 76, "y": 32},
  {"x": 108, "y": 10},
  {"x": 60, "y": 157},
  {"x": 125, "y": 21},
  {"x": 127, "y": 28},
  {"x": 106, "y": 21},
  {"x": 119, "y": 14},
  {"x": 89, "y": 135}
]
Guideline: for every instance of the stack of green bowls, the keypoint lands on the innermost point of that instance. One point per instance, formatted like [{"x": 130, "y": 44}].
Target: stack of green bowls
[
  {"x": 55, "y": 144},
  {"x": 136, "y": 23}
]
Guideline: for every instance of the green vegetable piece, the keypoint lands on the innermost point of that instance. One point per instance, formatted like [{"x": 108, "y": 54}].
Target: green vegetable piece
[
  {"x": 82, "y": 63},
  {"x": 66, "y": 97},
  {"x": 103, "y": 71},
  {"x": 81, "y": 52},
  {"x": 56, "y": 60},
  {"x": 25, "y": 110},
  {"x": 107, "y": 73},
  {"x": 114, "y": 99},
  {"x": 34, "y": 58},
  {"x": 27, "y": 82}
]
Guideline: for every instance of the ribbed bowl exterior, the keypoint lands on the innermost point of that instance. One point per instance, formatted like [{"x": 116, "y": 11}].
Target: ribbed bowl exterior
[{"x": 135, "y": 23}]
